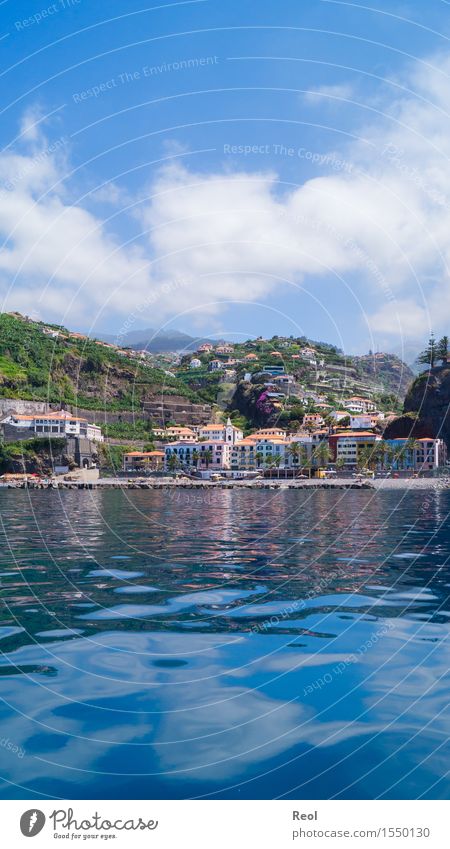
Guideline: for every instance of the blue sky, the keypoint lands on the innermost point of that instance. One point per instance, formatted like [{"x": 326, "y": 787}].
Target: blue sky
[{"x": 233, "y": 168}]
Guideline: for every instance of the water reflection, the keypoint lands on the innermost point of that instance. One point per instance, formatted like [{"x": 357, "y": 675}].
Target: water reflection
[{"x": 250, "y": 644}]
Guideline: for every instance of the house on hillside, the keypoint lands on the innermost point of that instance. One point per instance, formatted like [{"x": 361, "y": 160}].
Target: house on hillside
[{"x": 57, "y": 424}]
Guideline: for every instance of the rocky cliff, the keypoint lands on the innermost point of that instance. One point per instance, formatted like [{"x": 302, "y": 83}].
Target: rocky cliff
[{"x": 428, "y": 398}]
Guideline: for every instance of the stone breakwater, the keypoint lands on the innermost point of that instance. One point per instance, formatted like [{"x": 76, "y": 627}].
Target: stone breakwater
[
  {"x": 436, "y": 484},
  {"x": 117, "y": 483}
]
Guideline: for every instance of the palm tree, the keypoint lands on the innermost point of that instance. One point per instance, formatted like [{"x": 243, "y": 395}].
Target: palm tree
[
  {"x": 173, "y": 462},
  {"x": 389, "y": 456},
  {"x": 413, "y": 445},
  {"x": 259, "y": 457},
  {"x": 277, "y": 462},
  {"x": 363, "y": 457},
  {"x": 195, "y": 458},
  {"x": 294, "y": 452},
  {"x": 303, "y": 459},
  {"x": 340, "y": 463},
  {"x": 322, "y": 454},
  {"x": 207, "y": 457}
]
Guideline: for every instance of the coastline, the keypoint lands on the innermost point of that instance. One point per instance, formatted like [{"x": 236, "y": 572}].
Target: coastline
[{"x": 380, "y": 484}]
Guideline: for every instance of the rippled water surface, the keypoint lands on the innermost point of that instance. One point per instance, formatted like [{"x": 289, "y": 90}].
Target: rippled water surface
[{"x": 230, "y": 644}]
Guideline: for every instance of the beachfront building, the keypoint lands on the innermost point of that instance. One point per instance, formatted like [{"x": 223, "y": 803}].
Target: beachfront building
[
  {"x": 213, "y": 455},
  {"x": 57, "y": 424},
  {"x": 260, "y": 451},
  {"x": 137, "y": 461},
  {"x": 423, "y": 454},
  {"x": 220, "y": 432},
  {"x": 346, "y": 447}
]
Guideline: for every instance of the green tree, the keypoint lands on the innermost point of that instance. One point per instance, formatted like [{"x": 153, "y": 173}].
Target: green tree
[
  {"x": 429, "y": 355},
  {"x": 259, "y": 457},
  {"x": 195, "y": 458},
  {"x": 322, "y": 454},
  {"x": 207, "y": 456},
  {"x": 442, "y": 352},
  {"x": 303, "y": 459},
  {"x": 173, "y": 462},
  {"x": 294, "y": 452}
]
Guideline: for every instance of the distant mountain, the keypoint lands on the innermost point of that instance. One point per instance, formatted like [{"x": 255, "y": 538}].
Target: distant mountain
[{"x": 155, "y": 341}]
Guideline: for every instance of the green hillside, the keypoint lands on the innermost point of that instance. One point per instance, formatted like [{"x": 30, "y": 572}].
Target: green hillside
[
  {"x": 67, "y": 370},
  {"x": 325, "y": 377}
]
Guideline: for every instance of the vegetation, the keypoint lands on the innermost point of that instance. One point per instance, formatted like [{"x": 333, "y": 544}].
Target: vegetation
[
  {"x": 30, "y": 455},
  {"x": 429, "y": 355},
  {"x": 68, "y": 370}
]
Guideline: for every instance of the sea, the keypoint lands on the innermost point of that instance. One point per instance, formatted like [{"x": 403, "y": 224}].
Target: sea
[{"x": 224, "y": 644}]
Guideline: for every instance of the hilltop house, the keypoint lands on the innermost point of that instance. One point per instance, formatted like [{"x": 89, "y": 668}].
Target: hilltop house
[
  {"x": 356, "y": 404},
  {"x": 215, "y": 365}
]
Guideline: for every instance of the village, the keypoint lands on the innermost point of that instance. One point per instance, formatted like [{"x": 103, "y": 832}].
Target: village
[{"x": 278, "y": 408}]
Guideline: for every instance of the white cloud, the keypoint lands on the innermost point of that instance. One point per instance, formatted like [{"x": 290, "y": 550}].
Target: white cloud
[{"x": 377, "y": 214}]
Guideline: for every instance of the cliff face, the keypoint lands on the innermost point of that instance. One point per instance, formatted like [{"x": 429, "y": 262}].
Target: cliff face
[{"x": 429, "y": 397}]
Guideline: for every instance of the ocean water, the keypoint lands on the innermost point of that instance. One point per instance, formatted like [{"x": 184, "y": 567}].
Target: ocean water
[{"x": 224, "y": 644}]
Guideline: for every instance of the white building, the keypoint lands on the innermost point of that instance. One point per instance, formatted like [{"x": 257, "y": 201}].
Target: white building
[
  {"x": 212, "y": 455},
  {"x": 356, "y": 404},
  {"x": 215, "y": 365},
  {"x": 180, "y": 434},
  {"x": 55, "y": 424},
  {"x": 195, "y": 363},
  {"x": 221, "y": 433}
]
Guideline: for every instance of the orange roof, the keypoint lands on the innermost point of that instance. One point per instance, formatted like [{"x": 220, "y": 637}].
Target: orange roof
[
  {"x": 355, "y": 433},
  {"x": 212, "y": 427},
  {"x": 144, "y": 454},
  {"x": 62, "y": 415}
]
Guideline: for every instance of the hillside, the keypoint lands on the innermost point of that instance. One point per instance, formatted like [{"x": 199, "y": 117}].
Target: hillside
[
  {"x": 321, "y": 378},
  {"x": 46, "y": 363},
  {"x": 132, "y": 389}
]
